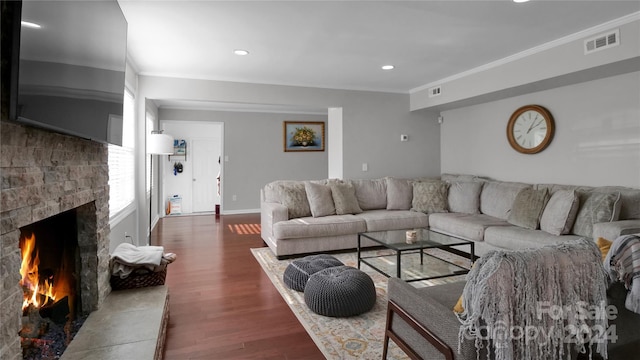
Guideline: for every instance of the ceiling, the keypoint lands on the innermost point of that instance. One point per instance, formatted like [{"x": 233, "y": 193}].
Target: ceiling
[{"x": 343, "y": 44}]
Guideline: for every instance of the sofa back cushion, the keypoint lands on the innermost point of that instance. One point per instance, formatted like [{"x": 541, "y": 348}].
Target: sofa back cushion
[
  {"x": 497, "y": 197},
  {"x": 464, "y": 196},
  {"x": 560, "y": 213},
  {"x": 595, "y": 207},
  {"x": 629, "y": 200},
  {"x": 371, "y": 194},
  {"x": 399, "y": 193}
]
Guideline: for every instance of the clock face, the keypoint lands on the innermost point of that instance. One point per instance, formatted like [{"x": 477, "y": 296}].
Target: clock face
[{"x": 530, "y": 129}]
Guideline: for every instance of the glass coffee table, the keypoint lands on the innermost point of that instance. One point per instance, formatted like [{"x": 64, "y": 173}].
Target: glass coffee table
[{"x": 409, "y": 261}]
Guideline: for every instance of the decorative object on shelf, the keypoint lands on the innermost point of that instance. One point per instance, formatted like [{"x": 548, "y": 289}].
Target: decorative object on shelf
[
  {"x": 412, "y": 236},
  {"x": 530, "y": 129},
  {"x": 303, "y": 136},
  {"x": 179, "y": 149}
]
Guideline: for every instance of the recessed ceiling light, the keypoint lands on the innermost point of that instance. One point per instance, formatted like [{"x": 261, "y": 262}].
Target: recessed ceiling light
[
  {"x": 520, "y": 1},
  {"x": 30, "y": 25},
  {"x": 240, "y": 52},
  {"x": 388, "y": 67}
]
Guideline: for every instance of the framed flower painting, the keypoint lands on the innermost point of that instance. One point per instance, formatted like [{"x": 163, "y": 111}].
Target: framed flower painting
[{"x": 303, "y": 136}]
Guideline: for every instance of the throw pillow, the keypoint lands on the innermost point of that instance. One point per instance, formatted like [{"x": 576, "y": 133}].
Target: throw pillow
[
  {"x": 399, "y": 194},
  {"x": 560, "y": 213},
  {"x": 294, "y": 197},
  {"x": 430, "y": 197},
  {"x": 527, "y": 208},
  {"x": 595, "y": 208},
  {"x": 320, "y": 199},
  {"x": 344, "y": 198},
  {"x": 604, "y": 245},
  {"x": 458, "y": 308},
  {"x": 464, "y": 197}
]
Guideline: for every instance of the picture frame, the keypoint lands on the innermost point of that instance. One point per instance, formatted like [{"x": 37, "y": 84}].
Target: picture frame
[{"x": 303, "y": 136}]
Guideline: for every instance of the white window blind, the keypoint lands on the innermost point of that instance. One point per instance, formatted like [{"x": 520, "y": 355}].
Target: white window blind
[
  {"x": 122, "y": 161},
  {"x": 150, "y": 120}
]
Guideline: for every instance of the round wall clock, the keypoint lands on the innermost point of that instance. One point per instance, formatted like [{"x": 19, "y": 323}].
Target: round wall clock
[{"x": 530, "y": 129}]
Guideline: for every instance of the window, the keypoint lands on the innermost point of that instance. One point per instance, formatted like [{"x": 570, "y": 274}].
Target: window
[{"x": 122, "y": 162}]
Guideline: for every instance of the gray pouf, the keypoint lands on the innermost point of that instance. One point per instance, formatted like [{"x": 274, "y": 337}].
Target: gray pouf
[
  {"x": 297, "y": 273},
  {"x": 340, "y": 291}
]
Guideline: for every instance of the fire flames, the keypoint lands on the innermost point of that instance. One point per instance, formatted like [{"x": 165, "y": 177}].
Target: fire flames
[{"x": 41, "y": 290}]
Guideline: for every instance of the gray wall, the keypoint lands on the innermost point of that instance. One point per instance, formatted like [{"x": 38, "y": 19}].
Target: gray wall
[
  {"x": 597, "y": 139},
  {"x": 253, "y": 144},
  {"x": 372, "y": 124}
]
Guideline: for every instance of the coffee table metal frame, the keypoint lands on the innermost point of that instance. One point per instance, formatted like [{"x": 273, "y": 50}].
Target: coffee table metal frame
[{"x": 427, "y": 239}]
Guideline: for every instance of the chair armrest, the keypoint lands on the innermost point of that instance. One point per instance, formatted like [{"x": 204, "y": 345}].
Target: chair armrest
[
  {"x": 612, "y": 230},
  {"x": 439, "y": 320}
]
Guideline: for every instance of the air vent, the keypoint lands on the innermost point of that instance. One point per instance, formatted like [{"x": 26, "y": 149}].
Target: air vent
[
  {"x": 601, "y": 42},
  {"x": 435, "y": 91}
]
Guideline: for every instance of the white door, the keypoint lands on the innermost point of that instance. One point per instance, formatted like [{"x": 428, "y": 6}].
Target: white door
[{"x": 206, "y": 168}]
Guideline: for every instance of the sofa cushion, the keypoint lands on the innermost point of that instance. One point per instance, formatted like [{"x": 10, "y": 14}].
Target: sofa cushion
[
  {"x": 272, "y": 191},
  {"x": 379, "y": 220},
  {"x": 320, "y": 199},
  {"x": 464, "y": 197},
  {"x": 430, "y": 197},
  {"x": 560, "y": 213},
  {"x": 595, "y": 208},
  {"x": 468, "y": 226},
  {"x": 344, "y": 198},
  {"x": 294, "y": 197},
  {"x": 318, "y": 227},
  {"x": 399, "y": 193},
  {"x": 514, "y": 237},
  {"x": 612, "y": 230},
  {"x": 371, "y": 194},
  {"x": 527, "y": 208},
  {"x": 630, "y": 200},
  {"x": 497, "y": 197}
]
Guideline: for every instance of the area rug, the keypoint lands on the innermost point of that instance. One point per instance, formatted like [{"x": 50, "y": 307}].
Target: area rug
[{"x": 357, "y": 337}]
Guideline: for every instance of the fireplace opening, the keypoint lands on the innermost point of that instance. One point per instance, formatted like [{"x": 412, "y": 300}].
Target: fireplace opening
[{"x": 51, "y": 285}]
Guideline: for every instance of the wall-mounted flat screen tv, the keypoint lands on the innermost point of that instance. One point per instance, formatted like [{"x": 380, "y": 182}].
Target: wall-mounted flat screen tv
[{"x": 72, "y": 68}]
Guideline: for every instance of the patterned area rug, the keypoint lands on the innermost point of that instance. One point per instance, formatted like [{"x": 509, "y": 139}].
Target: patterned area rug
[{"x": 358, "y": 337}]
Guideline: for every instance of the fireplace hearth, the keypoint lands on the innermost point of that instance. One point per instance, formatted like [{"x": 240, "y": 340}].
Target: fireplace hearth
[{"x": 47, "y": 176}]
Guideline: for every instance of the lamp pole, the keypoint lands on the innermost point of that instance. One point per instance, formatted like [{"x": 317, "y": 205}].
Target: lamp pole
[{"x": 157, "y": 144}]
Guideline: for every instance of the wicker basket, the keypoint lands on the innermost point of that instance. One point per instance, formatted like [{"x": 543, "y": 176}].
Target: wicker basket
[{"x": 139, "y": 278}]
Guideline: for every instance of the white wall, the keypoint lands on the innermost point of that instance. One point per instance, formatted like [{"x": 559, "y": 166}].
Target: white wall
[{"x": 597, "y": 139}]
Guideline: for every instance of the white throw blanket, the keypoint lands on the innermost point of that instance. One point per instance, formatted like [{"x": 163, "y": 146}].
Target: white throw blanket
[
  {"x": 526, "y": 302},
  {"x": 128, "y": 257},
  {"x": 623, "y": 264}
]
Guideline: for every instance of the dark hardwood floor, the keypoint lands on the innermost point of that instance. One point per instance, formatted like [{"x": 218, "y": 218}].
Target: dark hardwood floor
[{"x": 222, "y": 305}]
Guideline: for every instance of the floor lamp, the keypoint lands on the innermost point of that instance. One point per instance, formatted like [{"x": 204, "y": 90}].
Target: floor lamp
[{"x": 157, "y": 144}]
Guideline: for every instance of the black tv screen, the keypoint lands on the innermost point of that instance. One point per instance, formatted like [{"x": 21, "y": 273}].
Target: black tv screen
[{"x": 72, "y": 68}]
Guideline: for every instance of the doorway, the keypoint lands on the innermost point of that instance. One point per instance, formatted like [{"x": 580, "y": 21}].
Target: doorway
[{"x": 196, "y": 181}]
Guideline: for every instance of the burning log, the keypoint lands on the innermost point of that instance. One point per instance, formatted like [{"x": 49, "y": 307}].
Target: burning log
[
  {"x": 33, "y": 325},
  {"x": 58, "y": 312}
]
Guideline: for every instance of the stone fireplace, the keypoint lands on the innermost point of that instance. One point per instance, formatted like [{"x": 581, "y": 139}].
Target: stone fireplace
[{"x": 45, "y": 174}]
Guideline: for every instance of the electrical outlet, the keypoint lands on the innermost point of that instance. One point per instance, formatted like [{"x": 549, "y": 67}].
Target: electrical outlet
[
  {"x": 365, "y": 167},
  {"x": 234, "y": 198}
]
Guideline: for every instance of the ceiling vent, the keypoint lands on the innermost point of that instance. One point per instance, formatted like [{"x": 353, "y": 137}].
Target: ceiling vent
[
  {"x": 601, "y": 42},
  {"x": 435, "y": 91}
]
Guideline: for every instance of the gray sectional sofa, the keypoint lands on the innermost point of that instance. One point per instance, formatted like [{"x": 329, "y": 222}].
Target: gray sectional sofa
[{"x": 300, "y": 217}]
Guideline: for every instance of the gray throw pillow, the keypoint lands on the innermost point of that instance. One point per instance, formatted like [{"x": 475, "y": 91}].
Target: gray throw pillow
[
  {"x": 464, "y": 197},
  {"x": 527, "y": 208},
  {"x": 320, "y": 199},
  {"x": 399, "y": 194},
  {"x": 430, "y": 197},
  {"x": 294, "y": 197},
  {"x": 344, "y": 198},
  {"x": 560, "y": 213},
  {"x": 595, "y": 208}
]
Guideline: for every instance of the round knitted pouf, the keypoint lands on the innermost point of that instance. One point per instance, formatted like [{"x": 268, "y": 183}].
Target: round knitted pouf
[
  {"x": 297, "y": 273},
  {"x": 340, "y": 291}
]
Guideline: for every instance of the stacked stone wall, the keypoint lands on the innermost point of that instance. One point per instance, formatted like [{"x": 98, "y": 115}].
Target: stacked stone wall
[{"x": 43, "y": 174}]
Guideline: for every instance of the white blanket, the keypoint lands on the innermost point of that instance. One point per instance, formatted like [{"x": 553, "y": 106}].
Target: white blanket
[{"x": 128, "y": 257}]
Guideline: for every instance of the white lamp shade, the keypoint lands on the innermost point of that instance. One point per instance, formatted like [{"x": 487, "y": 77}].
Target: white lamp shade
[{"x": 160, "y": 144}]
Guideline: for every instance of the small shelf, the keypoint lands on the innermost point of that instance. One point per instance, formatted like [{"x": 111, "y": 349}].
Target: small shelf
[{"x": 179, "y": 150}]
